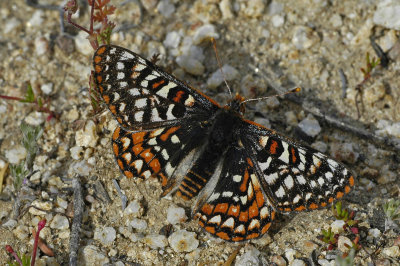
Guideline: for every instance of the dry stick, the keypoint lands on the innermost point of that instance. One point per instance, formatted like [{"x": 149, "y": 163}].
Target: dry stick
[
  {"x": 389, "y": 142},
  {"x": 76, "y": 222}
]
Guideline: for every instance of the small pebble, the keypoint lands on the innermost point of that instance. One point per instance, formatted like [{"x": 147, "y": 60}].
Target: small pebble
[
  {"x": 176, "y": 215},
  {"x": 47, "y": 88},
  {"x": 291, "y": 254},
  {"x": 76, "y": 152},
  {"x": 59, "y": 222},
  {"x": 291, "y": 118},
  {"x": 11, "y": 25},
  {"x": 324, "y": 262},
  {"x": 304, "y": 37},
  {"x": 35, "y": 118},
  {"x": 91, "y": 255},
  {"x": 226, "y": 9},
  {"x": 172, "y": 39},
  {"x": 37, "y": 19},
  {"x": 105, "y": 235},
  {"x": 217, "y": 79},
  {"x": 149, "y": 4},
  {"x": 205, "y": 33},
  {"x": 320, "y": 146},
  {"x": 87, "y": 137},
  {"x": 275, "y": 8},
  {"x": 133, "y": 208},
  {"x": 183, "y": 241},
  {"x": 298, "y": 262},
  {"x": 310, "y": 126},
  {"x": 277, "y": 21},
  {"x": 344, "y": 152},
  {"x": 10, "y": 224},
  {"x": 278, "y": 260},
  {"x": 386, "y": 14},
  {"x": 344, "y": 244},
  {"x": 190, "y": 65},
  {"x": 138, "y": 224},
  {"x": 374, "y": 232},
  {"x": 80, "y": 168},
  {"x": 43, "y": 205},
  {"x": 165, "y": 8},
  {"x": 250, "y": 257},
  {"x": 337, "y": 226},
  {"x": 15, "y": 155},
  {"x": 21, "y": 232},
  {"x": 155, "y": 241}
]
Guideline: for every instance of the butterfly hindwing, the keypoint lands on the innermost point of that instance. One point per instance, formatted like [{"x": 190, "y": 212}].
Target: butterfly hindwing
[
  {"x": 295, "y": 177},
  {"x": 141, "y": 96},
  {"x": 236, "y": 208}
]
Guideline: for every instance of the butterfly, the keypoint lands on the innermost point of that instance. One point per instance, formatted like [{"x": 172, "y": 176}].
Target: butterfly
[{"x": 240, "y": 173}]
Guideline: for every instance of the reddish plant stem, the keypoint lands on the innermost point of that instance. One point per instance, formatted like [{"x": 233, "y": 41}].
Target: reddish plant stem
[
  {"x": 41, "y": 225},
  {"x": 11, "y": 98},
  {"x": 10, "y": 250}
]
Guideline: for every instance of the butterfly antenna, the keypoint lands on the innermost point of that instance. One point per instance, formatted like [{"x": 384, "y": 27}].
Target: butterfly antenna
[
  {"x": 266, "y": 97},
  {"x": 219, "y": 64}
]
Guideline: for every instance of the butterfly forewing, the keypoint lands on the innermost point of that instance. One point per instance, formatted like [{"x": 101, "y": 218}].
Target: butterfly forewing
[
  {"x": 295, "y": 177},
  {"x": 141, "y": 96}
]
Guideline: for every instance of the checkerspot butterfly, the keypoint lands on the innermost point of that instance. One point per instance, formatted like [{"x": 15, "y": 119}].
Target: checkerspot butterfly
[{"x": 240, "y": 172}]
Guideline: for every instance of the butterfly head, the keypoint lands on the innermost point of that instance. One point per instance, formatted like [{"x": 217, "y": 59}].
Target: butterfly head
[{"x": 237, "y": 104}]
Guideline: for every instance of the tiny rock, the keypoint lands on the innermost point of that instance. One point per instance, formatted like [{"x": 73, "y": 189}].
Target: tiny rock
[{"x": 183, "y": 241}]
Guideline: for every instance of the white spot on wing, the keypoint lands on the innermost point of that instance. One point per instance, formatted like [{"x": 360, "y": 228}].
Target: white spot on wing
[
  {"x": 120, "y": 75},
  {"x": 122, "y": 107},
  {"x": 175, "y": 139},
  {"x": 280, "y": 192},
  {"x": 264, "y": 212},
  {"x": 216, "y": 219},
  {"x": 189, "y": 101},
  {"x": 237, "y": 178},
  {"x": 155, "y": 117},
  {"x": 134, "y": 92},
  {"x": 139, "y": 116},
  {"x": 127, "y": 55},
  {"x": 227, "y": 194},
  {"x": 265, "y": 165},
  {"x": 243, "y": 199},
  {"x": 152, "y": 141},
  {"x": 138, "y": 165},
  {"x": 301, "y": 180},
  {"x": 150, "y": 77},
  {"x": 271, "y": 178},
  {"x": 120, "y": 65},
  {"x": 213, "y": 197},
  {"x": 289, "y": 182},
  {"x": 144, "y": 83},
  {"x": 140, "y": 103},
  {"x": 285, "y": 154},
  {"x": 165, "y": 155},
  {"x": 254, "y": 224},
  {"x": 230, "y": 223},
  {"x": 263, "y": 141}
]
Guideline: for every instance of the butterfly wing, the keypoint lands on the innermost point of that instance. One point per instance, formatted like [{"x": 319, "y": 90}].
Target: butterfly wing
[
  {"x": 294, "y": 177},
  {"x": 141, "y": 96},
  {"x": 235, "y": 208}
]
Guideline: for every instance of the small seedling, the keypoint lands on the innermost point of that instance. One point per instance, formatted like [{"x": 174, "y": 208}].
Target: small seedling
[
  {"x": 42, "y": 105},
  {"x": 392, "y": 212},
  {"x": 26, "y": 260},
  {"x": 370, "y": 65},
  {"x": 329, "y": 238}
]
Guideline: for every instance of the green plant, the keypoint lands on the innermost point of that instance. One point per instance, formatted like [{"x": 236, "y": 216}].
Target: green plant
[
  {"x": 18, "y": 172},
  {"x": 392, "y": 209}
]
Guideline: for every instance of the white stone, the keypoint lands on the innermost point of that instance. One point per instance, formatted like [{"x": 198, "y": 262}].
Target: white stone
[
  {"x": 291, "y": 254},
  {"x": 59, "y": 222},
  {"x": 80, "y": 168},
  {"x": 47, "y": 88},
  {"x": 387, "y": 14},
  {"x": 176, "y": 215},
  {"x": 43, "y": 205},
  {"x": 310, "y": 126},
  {"x": 277, "y": 20},
  {"x": 298, "y": 262},
  {"x": 62, "y": 203},
  {"x": 76, "y": 152},
  {"x": 183, "y": 241},
  {"x": 275, "y": 8},
  {"x": 155, "y": 241},
  {"x": 374, "y": 232},
  {"x": 190, "y": 65},
  {"x": 21, "y": 232},
  {"x": 37, "y": 19},
  {"x": 217, "y": 78},
  {"x": 205, "y": 32},
  {"x": 10, "y": 224},
  {"x": 11, "y": 25},
  {"x": 249, "y": 257},
  {"x": 172, "y": 39},
  {"x": 393, "y": 252},
  {"x": 303, "y": 37},
  {"x": 87, "y": 137},
  {"x": 226, "y": 9},
  {"x": 165, "y": 8},
  {"x": 344, "y": 244},
  {"x": 138, "y": 224},
  {"x": 35, "y": 118},
  {"x": 133, "y": 208},
  {"x": 105, "y": 235},
  {"x": 16, "y": 155},
  {"x": 91, "y": 255},
  {"x": 41, "y": 46},
  {"x": 82, "y": 44},
  {"x": 337, "y": 226},
  {"x": 336, "y": 20}
]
